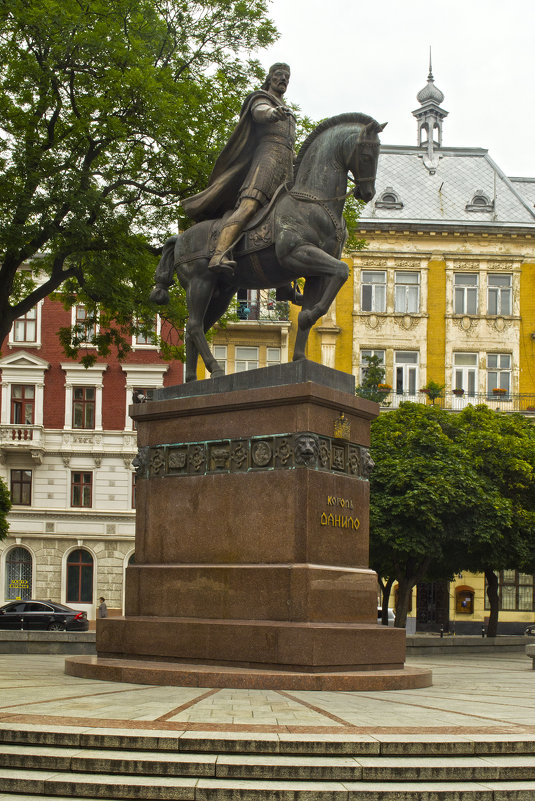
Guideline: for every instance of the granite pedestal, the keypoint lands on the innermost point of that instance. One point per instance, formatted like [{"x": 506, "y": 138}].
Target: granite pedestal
[{"x": 251, "y": 564}]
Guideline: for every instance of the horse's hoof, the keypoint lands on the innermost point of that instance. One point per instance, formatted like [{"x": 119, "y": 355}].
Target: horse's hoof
[
  {"x": 217, "y": 373},
  {"x": 159, "y": 295}
]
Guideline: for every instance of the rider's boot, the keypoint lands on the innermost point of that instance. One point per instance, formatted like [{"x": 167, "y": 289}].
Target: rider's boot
[{"x": 220, "y": 261}]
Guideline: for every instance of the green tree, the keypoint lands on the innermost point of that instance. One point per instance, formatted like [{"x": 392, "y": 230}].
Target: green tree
[
  {"x": 433, "y": 390},
  {"x": 373, "y": 378},
  {"x": 111, "y": 112},
  {"x": 423, "y": 494},
  {"x": 5, "y": 506},
  {"x": 501, "y": 448}
]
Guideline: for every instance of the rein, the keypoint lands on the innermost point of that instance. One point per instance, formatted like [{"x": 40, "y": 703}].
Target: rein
[{"x": 309, "y": 198}]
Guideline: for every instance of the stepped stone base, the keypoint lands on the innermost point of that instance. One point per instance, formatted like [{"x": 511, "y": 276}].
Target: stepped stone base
[
  {"x": 251, "y": 562},
  {"x": 191, "y": 675}
]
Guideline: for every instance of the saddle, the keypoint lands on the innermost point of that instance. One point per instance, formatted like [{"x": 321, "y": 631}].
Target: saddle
[{"x": 257, "y": 235}]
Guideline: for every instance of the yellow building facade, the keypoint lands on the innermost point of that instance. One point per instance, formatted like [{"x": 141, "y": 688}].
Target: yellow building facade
[{"x": 445, "y": 292}]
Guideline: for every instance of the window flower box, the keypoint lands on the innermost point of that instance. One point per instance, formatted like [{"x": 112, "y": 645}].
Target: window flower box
[
  {"x": 458, "y": 392},
  {"x": 499, "y": 391}
]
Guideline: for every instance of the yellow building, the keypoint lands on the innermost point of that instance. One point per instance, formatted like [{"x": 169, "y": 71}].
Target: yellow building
[{"x": 444, "y": 291}]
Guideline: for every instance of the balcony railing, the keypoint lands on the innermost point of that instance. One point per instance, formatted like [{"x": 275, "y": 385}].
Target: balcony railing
[
  {"x": 19, "y": 436},
  {"x": 265, "y": 308},
  {"x": 452, "y": 401}
]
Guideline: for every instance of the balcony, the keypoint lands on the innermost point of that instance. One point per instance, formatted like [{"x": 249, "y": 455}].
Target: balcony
[
  {"x": 451, "y": 401},
  {"x": 263, "y": 308},
  {"x": 19, "y": 438}
]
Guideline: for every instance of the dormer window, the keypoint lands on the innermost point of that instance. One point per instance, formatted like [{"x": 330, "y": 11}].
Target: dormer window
[
  {"x": 480, "y": 202},
  {"x": 389, "y": 200}
]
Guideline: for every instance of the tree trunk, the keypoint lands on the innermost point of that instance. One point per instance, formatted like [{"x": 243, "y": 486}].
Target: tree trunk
[
  {"x": 494, "y": 601},
  {"x": 385, "y": 598},
  {"x": 405, "y": 586}
]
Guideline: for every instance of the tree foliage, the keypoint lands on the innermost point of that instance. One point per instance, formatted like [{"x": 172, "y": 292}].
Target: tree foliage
[
  {"x": 5, "y": 506},
  {"x": 501, "y": 448},
  {"x": 372, "y": 380},
  {"x": 111, "y": 112},
  {"x": 450, "y": 493}
]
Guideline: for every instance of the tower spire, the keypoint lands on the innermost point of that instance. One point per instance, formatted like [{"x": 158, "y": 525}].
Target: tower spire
[{"x": 429, "y": 118}]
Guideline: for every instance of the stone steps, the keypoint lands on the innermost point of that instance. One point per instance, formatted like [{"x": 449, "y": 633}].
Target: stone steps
[{"x": 112, "y": 765}]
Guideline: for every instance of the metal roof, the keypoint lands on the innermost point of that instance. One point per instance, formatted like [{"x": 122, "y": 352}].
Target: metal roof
[{"x": 441, "y": 196}]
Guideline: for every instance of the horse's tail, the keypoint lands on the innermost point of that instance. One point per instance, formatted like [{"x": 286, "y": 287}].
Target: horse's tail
[{"x": 163, "y": 277}]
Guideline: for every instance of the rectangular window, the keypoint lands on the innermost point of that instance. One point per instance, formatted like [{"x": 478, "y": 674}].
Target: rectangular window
[
  {"x": 273, "y": 356},
  {"x": 465, "y": 372},
  {"x": 373, "y": 297},
  {"x": 380, "y": 354},
  {"x": 407, "y": 293},
  {"x": 25, "y": 327},
  {"x": 499, "y": 294},
  {"x": 148, "y": 337},
  {"x": 21, "y": 487},
  {"x": 515, "y": 591},
  {"x": 465, "y": 293},
  {"x": 246, "y": 359},
  {"x": 82, "y": 489},
  {"x": 83, "y": 407},
  {"x": 85, "y": 325},
  {"x": 22, "y": 404},
  {"x": 220, "y": 353},
  {"x": 498, "y": 374},
  {"x": 406, "y": 363}
]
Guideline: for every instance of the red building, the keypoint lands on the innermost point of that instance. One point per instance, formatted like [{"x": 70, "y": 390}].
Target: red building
[{"x": 66, "y": 446}]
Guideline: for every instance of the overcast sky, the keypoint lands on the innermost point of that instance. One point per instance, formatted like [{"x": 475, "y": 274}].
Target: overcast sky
[{"x": 373, "y": 56}]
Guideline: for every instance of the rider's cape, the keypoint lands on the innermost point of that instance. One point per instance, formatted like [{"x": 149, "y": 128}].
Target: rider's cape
[{"x": 230, "y": 168}]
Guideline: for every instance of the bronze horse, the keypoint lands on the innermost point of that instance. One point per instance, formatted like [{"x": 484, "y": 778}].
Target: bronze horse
[{"x": 306, "y": 241}]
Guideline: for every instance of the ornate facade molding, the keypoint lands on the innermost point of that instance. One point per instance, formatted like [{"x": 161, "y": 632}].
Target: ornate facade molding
[
  {"x": 253, "y": 454},
  {"x": 499, "y": 324},
  {"x": 373, "y": 321},
  {"x": 503, "y": 266},
  {"x": 466, "y": 324},
  {"x": 369, "y": 263},
  {"x": 407, "y": 321},
  {"x": 459, "y": 266}
]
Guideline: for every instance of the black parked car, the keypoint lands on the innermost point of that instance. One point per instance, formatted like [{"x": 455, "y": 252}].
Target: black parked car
[{"x": 43, "y": 615}]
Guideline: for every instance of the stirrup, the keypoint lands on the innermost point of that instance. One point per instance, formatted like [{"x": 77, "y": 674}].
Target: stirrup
[{"x": 222, "y": 265}]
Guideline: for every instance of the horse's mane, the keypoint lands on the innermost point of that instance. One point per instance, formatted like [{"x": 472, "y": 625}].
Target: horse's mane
[{"x": 330, "y": 122}]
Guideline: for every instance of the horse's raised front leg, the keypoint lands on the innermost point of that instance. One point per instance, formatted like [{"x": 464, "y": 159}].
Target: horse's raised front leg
[{"x": 198, "y": 296}]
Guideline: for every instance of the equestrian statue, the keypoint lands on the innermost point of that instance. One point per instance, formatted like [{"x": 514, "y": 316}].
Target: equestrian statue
[{"x": 267, "y": 219}]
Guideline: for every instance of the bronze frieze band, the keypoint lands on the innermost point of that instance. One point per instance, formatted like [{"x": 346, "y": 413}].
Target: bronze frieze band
[{"x": 277, "y": 452}]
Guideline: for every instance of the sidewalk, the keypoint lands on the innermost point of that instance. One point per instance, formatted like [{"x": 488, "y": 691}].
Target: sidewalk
[{"x": 472, "y": 694}]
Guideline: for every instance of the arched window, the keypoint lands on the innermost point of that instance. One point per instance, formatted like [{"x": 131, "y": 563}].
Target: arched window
[
  {"x": 480, "y": 202},
  {"x": 18, "y": 574},
  {"x": 80, "y": 577},
  {"x": 389, "y": 199},
  {"x": 132, "y": 559}
]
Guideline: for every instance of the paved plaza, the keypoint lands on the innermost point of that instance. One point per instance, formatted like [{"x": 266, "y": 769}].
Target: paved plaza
[{"x": 487, "y": 695}]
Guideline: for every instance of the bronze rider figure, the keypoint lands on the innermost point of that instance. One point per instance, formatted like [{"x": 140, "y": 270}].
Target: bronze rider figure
[{"x": 258, "y": 157}]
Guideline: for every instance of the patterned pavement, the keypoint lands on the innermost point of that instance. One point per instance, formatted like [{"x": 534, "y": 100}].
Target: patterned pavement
[{"x": 471, "y": 694}]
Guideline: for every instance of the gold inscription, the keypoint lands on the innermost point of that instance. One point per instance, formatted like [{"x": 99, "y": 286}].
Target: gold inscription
[
  {"x": 340, "y": 521},
  {"x": 344, "y": 503}
]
